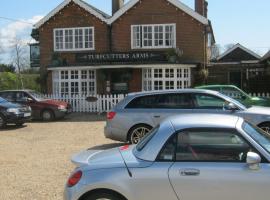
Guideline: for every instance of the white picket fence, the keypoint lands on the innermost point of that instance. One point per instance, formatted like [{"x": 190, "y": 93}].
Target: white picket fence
[
  {"x": 265, "y": 94},
  {"x": 104, "y": 103},
  {"x": 97, "y": 103}
]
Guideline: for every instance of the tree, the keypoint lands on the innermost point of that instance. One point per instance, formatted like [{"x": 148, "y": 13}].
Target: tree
[
  {"x": 19, "y": 57},
  {"x": 7, "y": 68},
  {"x": 215, "y": 51},
  {"x": 229, "y": 46}
]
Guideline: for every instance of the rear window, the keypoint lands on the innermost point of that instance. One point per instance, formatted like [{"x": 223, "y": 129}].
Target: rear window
[{"x": 143, "y": 102}]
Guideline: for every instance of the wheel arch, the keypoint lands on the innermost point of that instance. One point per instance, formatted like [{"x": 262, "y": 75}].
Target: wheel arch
[
  {"x": 266, "y": 122},
  {"x": 102, "y": 190}
]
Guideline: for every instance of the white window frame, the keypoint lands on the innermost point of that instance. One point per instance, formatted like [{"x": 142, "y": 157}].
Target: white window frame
[
  {"x": 57, "y": 81},
  {"x": 142, "y": 46},
  {"x": 73, "y": 42},
  {"x": 181, "y": 78}
]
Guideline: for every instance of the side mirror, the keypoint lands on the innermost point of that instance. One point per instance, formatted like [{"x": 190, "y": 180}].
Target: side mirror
[
  {"x": 243, "y": 97},
  {"x": 30, "y": 100},
  {"x": 231, "y": 107},
  {"x": 253, "y": 161}
]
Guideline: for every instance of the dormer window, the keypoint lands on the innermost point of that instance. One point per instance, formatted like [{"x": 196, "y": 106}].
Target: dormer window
[
  {"x": 74, "y": 39},
  {"x": 153, "y": 36}
]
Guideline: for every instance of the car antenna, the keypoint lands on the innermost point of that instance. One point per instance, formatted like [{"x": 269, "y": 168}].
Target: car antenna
[{"x": 129, "y": 172}]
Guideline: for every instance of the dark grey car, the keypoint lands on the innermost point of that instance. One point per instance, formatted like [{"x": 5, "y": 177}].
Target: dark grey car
[{"x": 135, "y": 116}]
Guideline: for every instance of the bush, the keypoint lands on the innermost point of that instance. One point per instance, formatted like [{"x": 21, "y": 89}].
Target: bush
[{"x": 11, "y": 81}]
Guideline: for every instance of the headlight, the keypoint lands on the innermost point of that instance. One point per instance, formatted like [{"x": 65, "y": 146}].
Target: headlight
[
  {"x": 13, "y": 110},
  {"x": 61, "y": 107}
]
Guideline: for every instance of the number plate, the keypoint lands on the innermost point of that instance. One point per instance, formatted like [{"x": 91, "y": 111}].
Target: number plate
[{"x": 27, "y": 114}]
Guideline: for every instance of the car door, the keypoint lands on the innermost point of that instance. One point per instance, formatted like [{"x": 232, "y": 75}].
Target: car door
[
  {"x": 170, "y": 104},
  {"x": 209, "y": 103},
  {"x": 210, "y": 164}
]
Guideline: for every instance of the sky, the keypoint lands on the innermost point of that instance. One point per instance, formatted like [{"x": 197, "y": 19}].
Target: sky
[{"x": 234, "y": 21}]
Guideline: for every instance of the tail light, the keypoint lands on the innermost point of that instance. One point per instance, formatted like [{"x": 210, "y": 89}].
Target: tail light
[
  {"x": 111, "y": 115},
  {"x": 74, "y": 178}
]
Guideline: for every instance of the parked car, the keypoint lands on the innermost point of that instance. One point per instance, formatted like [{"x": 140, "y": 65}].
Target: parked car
[
  {"x": 198, "y": 156},
  {"x": 11, "y": 113},
  {"x": 138, "y": 113},
  {"x": 42, "y": 108},
  {"x": 238, "y": 94}
]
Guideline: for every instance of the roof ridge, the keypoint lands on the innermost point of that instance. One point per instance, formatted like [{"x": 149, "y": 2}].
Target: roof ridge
[
  {"x": 110, "y": 19},
  {"x": 238, "y": 45}
]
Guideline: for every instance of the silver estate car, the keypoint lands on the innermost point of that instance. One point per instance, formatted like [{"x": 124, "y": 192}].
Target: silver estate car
[
  {"x": 138, "y": 113},
  {"x": 188, "y": 157}
]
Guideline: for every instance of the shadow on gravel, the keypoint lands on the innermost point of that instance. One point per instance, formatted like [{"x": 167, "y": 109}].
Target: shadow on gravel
[
  {"x": 78, "y": 117},
  {"x": 12, "y": 128},
  {"x": 106, "y": 146}
]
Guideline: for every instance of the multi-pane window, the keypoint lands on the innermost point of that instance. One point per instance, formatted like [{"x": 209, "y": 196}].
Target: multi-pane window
[
  {"x": 68, "y": 39},
  {"x": 153, "y": 36},
  {"x": 136, "y": 33},
  {"x": 166, "y": 78},
  {"x": 59, "y": 39},
  {"x": 74, "y": 82}
]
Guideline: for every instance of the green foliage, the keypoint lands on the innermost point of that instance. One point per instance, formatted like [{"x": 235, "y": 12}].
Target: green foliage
[
  {"x": 11, "y": 81},
  {"x": 7, "y": 68}
]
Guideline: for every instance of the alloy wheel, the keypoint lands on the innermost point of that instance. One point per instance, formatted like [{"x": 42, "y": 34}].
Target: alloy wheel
[
  {"x": 138, "y": 133},
  {"x": 266, "y": 129},
  {"x": 47, "y": 116}
]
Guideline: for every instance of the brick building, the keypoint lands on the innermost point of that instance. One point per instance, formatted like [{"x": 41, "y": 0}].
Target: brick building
[
  {"x": 144, "y": 45},
  {"x": 241, "y": 67}
]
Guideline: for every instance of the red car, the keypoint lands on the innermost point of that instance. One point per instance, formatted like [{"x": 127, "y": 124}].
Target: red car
[{"x": 42, "y": 108}]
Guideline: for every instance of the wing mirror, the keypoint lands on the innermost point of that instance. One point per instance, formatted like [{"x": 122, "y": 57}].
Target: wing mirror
[
  {"x": 231, "y": 107},
  {"x": 253, "y": 161}
]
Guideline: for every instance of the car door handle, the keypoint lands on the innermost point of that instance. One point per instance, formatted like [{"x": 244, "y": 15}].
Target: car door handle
[
  {"x": 156, "y": 116},
  {"x": 190, "y": 172}
]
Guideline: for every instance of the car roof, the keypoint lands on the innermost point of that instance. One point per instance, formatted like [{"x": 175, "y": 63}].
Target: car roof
[
  {"x": 182, "y": 122},
  {"x": 215, "y": 86},
  {"x": 144, "y": 93},
  {"x": 24, "y": 90},
  {"x": 203, "y": 120}
]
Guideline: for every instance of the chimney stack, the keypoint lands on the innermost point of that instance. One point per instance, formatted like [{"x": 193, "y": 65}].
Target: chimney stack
[
  {"x": 201, "y": 7},
  {"x": 116, "y": 5}
]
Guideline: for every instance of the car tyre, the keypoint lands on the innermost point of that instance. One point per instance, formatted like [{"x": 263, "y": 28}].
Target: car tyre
[
  {"x": 2, "y": 122},
  {"x": 19, "y": 124},
  {"x": 138, "y": 132},
  {"x": 47, "y": 115},
  {"x": 104, "y": 196},
  {"x": 265, "y": 126}
]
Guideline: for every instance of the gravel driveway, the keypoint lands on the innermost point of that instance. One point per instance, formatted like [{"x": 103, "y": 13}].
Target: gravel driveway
[{"x": 35, "y": 159}]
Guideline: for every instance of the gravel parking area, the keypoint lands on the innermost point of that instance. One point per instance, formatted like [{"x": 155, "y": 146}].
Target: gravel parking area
[{"x": 35, "y": 159}]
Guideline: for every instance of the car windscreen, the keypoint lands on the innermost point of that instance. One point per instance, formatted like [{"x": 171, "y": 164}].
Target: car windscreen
[
  {"x": 38, "y": 96},
  {"x": 257, "y": 134},
  {"x": 2, "y": 100},
  {"x": 237, "y": 103},
  {"x": 146, "y": 139}
]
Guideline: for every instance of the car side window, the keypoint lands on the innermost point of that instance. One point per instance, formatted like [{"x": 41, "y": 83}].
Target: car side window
[
  {"x": 232, "y": 92},
  {"x": 211, "y": 146},
  {"x": 21, "y": 97},
  {"x": 143, "y": 102},
  {"x": 9, "y": 96},
  {"x": 206, "y": 101},
  {"x": 174, "y": 101},
  {"x": 167, "y": 153}
]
